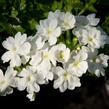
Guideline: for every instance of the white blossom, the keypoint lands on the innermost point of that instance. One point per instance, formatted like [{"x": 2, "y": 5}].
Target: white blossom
[
  {"x": 90, "y": 36},
  {"x": 49, "y": 30},
  {"x": 78, "y": 63},
  {"x": 67, "y": 21},
  {"x": 29, "y": 80},
  {"x": 7, "y": 81},
  {"x": 65, "y": 79},
  {"x": 16, "y": 47},
  {"x": 41, "y": 62},
  {"x": 60, "y": 53},
  {"x": 97, "y": 64}
]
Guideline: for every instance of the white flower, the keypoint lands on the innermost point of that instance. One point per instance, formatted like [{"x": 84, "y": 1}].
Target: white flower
[
  {"x": 49, "y": 30},
  {"x": 97, "y": 64},
  {"x": 65, "y": 79},
  {"x": 7, "y": 81},
  {"x": 78, "y": 64},
  {"x": 67, "y": 21},
  {"x": 90, "y": 36},
  {"x": 92, "y": 20},
  {"x": 39, "y": 43},
  {"x": 16, "y": 47},
  {"x": 45, "y": 69},
  {"x": 41, "y": 62},
  {"x": 29, "y": 80},
  {"x": 60, "y": 53}
]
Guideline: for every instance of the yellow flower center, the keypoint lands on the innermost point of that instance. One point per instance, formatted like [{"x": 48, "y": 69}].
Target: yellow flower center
[
  {"x": 90, "y": 39},
  {"x": 61, "y": 55},
  {"x": 49, "y": 31},
  {"x": 77, "y": 63},
  {"x": 66, "y": 75},
  {"x": 45, "y": 55},
  {"x": 14, "y": 49},
  {"x": 2, "y": 82},
  {"x": 29, "y": 78}
]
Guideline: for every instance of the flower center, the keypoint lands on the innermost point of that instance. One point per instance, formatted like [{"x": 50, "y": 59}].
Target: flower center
[
  {"x": 77, "y": 63},
  {"x": 49, "y": 31},
  {"x": 29, "y": 78},
  {"x": 61, "y": 55},
  {"x": 14, "y": 49},
  {"x": 66, "y": 75},
  {"x": 90, "y": 39},
  {"x": 66, "y": 24},
  {"x": 45, "y": 55},
  {"x": 2, "y": 82}
]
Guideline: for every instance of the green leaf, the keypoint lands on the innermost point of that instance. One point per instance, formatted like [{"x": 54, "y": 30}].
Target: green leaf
[{"x": 33, "y": 24}]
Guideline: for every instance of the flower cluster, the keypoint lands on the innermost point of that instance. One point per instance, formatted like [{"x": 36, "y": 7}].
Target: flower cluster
[{"x": 39, "y": 59}]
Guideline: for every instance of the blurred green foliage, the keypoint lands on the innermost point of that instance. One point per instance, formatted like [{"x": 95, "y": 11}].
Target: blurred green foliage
[{"x": 24, "y": 15}]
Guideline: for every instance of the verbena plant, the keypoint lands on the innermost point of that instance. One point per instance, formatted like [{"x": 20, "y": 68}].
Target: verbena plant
[{"x": 62, "y": 48}]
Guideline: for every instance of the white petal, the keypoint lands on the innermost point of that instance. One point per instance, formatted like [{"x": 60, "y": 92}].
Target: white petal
[
  {"x": 20, "y": 39},
  {"x": 92, "y": 20},
  {"x": 58, "y": 83},
  {"x": 23, "y": 73},
  {"x": 1, "y": 74},
  {"x": 57, "y": 31},
  {"x": 40, "y": 79},
  {"x": 83, "y": 55},
  {"x": 21, "y": 84},
  {"x": 63, "y": 87},
  {"x": 36, "y": 87},
  {"x": 50, "y": 75},
  {"x": 25, "y": 48},
  {"x": 31, "y": 96},
  {"x": 65, "y": 84},
  {"x": 84, "y": 66},
  {"x": 58, "y": 71},
  {"x": 39, "y": 43},
  {"x": 52, "y": 40},
  {"x": 7, "y": 56},
  {"x": 8, "y": 44},
  {"x": 15, "y": 61},
  {"x": 71, "y": 83},
  {"x": 36, "y": 59},
  {"x": 52, "y": 23},
  {"x": 77, "y": 82},
  {"x": 10, "y": 73}
]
